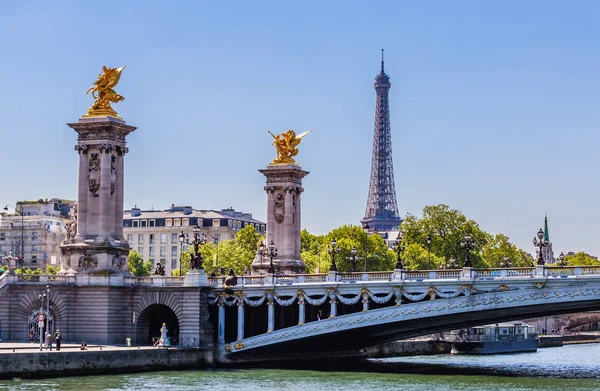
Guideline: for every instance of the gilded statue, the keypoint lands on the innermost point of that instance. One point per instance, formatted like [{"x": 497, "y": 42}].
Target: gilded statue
[
  {"x": 103, "y": 93},
  {"x": 286, "y": 144}
]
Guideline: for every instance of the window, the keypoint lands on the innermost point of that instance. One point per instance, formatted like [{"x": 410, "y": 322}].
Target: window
[
  {"x": 34, "y": 259},
  {"x": 34, "y": 248},
  {"x": 163, "y": 251},
  {"x": 185, "y": 222},
  {"x": 173, "y": 263},
  {"x": 151, "y": 252},
  {"x": 152, "y": 262},
  {"x": 199, "y": 222},
  {"x": 168, "y": 222},
  {"x": 173, "y": 251},
  {"x": 185, "y": 247},
  {"x": 141, "y": 251},
  {"x": 151, "y": 241},
  {"x": 173, "y": 238},
  {"x": 141, "y": 238},
  {"x": 34, "y": 236},
  {"x": 151, "y": 223},
  {"x": 176, "y": 222},
  {"x": 136, "y": 223},
  {"x": 143, "y": 223},
  {"x": 163, "y": 261},
  {"x": 216, "y": 223},
  {"x": 129, "y": 238},
  {"x": 2, "y": 236},
  {"x": 163, "y": 238}
]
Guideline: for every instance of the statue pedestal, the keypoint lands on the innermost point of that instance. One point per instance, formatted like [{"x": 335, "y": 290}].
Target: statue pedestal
[
  {"x": 196, "y": 278},
  {"x": 284, "y": 188}
]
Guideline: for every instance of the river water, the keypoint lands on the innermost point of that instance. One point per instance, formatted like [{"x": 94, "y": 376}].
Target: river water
[{"x": 572, "y": 368}]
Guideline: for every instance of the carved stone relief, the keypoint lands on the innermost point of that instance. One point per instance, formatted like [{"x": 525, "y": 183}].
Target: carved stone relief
[
  {"x": 94, "y": 174},
  {"x": 113, "y": 174},
  {"x": 279, "y": 206}
]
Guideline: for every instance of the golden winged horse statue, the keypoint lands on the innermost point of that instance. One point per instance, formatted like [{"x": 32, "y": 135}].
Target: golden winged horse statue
[
  {"x": 103, "y": 93},
  {"x": 286, "y": 144}
]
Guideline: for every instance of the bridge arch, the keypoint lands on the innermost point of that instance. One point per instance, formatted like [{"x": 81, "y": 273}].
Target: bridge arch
[
  {"x": 151, "y": 311},
  {"x": 28, "y": 308}
]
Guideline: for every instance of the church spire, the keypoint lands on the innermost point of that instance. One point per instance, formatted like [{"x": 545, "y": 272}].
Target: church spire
[{"x": 546, "y": 233}]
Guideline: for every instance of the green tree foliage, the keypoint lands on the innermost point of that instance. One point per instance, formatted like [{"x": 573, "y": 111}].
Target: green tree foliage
[
  {"x": 315, "y": 255},
  {"x": 415, "y": 257},
  {"x": 137, "y": 266},
  {"x": 581, "y": 259},
  {"x": 52, "y": 269},
  {"x": 498, "y": 247}
]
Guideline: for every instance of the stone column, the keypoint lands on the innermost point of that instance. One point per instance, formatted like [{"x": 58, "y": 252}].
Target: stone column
[
  {"x": 298, "y": 227},
  {"x": 271, "y": 316},
  {"x": 104, "y": 193},
  {"x": 289, "y": 237},
  {"x": 82, "y": 195},
  {"x": 240, "y": 333},
  {"x": 119, "y": 193},
  {"x": 301, "y": 311},
  {"x": 221, "y": 325}
]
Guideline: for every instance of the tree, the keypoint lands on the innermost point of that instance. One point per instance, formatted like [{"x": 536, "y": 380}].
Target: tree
[
  {"x": 137, "y": 266},
  {"x": 581, "y": 259},
  {"x": 447, "y": 228},
  {"x": 500, "y": 246},
  {"x": 415, "y": 257}
]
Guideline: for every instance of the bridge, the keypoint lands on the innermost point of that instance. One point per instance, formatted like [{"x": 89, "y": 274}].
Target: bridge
[
  {"x": 294, "y": 316},
  {"x": 338, "y": 314}
]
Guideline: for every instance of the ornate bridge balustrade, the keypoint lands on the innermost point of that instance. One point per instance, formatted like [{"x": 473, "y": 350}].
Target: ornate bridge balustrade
[{"x": 355, "y": 310}]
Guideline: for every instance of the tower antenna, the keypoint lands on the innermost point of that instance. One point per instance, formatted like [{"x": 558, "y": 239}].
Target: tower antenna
[{"x": 381, "y": 60}]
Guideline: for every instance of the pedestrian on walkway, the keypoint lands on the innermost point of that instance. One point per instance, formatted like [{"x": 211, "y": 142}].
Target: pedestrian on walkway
[
  {"x": 48, "y": 341},
  {"x": 57, "y": 339}
]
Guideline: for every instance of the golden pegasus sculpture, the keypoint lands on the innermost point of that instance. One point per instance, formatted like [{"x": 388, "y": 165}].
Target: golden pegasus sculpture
[
  {"x": 286, "y": 145},
  {"x": 103, "y": 93}
]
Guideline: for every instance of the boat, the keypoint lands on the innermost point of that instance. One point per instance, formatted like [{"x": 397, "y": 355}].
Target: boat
[{"x": 516, "y": 337}]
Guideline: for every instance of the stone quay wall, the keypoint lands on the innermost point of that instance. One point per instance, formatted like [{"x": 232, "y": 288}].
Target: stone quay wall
[
  {"x": 409, "y": 348},
  {"x": 80, "y": 363}
]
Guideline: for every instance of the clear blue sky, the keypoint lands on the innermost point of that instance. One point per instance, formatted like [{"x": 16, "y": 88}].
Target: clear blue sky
[{"x": 494, "y": 105}]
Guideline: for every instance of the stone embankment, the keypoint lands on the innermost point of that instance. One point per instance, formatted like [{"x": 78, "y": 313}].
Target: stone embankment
[
  {"x": 31, "y": 364},
  {"x": 409, "y": 348}
]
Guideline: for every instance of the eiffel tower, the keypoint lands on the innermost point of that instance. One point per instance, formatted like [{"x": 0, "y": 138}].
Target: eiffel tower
[{"x": 382, "y": 207}]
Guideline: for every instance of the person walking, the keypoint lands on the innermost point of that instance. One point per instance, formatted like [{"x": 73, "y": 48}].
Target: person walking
[
  {"x": 48, "y": 341},
  {"x": 57, "y": 339}
]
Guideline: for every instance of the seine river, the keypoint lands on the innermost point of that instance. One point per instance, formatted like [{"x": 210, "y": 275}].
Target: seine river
[{"x": 572, "y": 368}]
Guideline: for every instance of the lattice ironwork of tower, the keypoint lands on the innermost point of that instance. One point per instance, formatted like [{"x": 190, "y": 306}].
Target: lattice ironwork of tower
[{"x": 382, "y": 207}]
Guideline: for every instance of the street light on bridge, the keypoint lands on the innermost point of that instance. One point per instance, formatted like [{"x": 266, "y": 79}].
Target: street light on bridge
[
  {"x": 352, "y": 258},
  {"x": 428, "y": 241},
  {"x": 541, "y": 243},
  {"x": 272, "y": 253},
  {"x": 562, "y": 262},
  {"x": 261, "y": 254},
  {"x": 468, "y": 245},
  {"x": 400, "y": 247},
  {"x": 505, "y": 262},
  {"x": 199, "y": 239},
  {"x": 332, "y": 250}
]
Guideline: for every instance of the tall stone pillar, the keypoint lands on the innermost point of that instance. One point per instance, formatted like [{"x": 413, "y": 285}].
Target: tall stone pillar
[
  {"x": 283, "y": 187},
  {"x": 98, "y": 244}
]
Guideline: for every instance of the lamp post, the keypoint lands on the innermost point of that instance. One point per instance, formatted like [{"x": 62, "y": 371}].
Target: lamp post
[
  {"x": 216, "y": 238},
  {"x": 181, "y": 240},
  {"x": 366, "y": 229},
  {"x": 261, "y": 254},
  {"x": 451, "y": 264},
  {"x": 352, "y": 258},
  {"x": 399, "y": 250},
  {"x": 562, "y": 262},
  {"x": 271, "y": 253},
  {"x": 428, "y": 241},
  {"x": 199, "y": 239},
  {"x": 505, "y": 262},
  {"x": 468, "y": 245},
  {"x": 332, "y": 250},
  {"x": 41, "y": 298},
  {"x": 541, "y": 243},
  {"x": 22, "y": 256}
]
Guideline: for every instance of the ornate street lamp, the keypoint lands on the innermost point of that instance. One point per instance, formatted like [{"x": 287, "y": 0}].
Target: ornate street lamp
[
  {"x": 399, "y": 250},
  {"x": 181, "y": 240},
  {"x": 41, "y": 298},
  {"x": 332, "y": 250},
  {"x": 261, "y": 254},
  {"x": 366, "y": 229},
  {"x": 428, "y": 241},
  {"x": 541, "y": 243},
  {"x": 562, "y": 262},
  {"x": 451, "y": 264},
  {"x": 468, "y": 245},
  {"x": 271, "y": 253},
  {"x": 199, "y": 239},
  {"x": 505, "y": 262},
  {"x": 352, "y": 258},
  {"x": 20, "y": 212}
]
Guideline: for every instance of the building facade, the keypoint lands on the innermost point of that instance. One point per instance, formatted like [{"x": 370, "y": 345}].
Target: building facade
[
  {"x": 34, "y": 233},
  {"x": 155, "y": 234}
]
